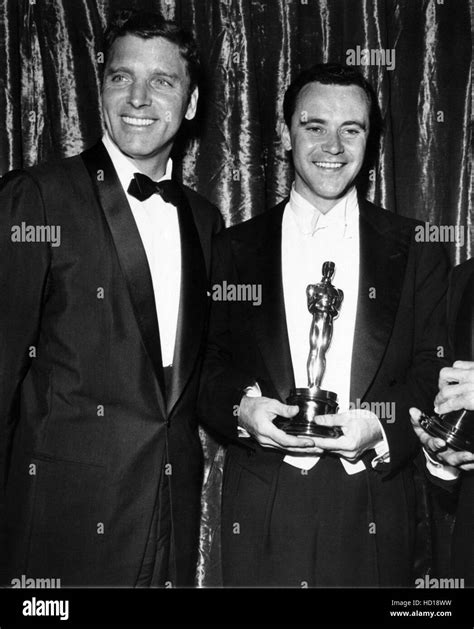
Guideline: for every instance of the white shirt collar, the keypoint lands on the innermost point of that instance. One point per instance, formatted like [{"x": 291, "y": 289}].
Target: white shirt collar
[
  {"x": 126, "y": 168},
  {"x": 310, "y": 220}
]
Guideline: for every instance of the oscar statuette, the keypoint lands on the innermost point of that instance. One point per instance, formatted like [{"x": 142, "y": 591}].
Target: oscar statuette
[{"x": 324, "y": 302}]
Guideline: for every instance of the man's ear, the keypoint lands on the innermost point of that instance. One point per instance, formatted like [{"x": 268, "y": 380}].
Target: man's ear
[
  {"x": 192, "y": 105},
  {"x": 285, "y": 136}
]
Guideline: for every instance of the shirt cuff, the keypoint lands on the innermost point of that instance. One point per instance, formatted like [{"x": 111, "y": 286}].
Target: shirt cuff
[
  {"x": 440, "y": 470},
  {"x": 251, "y": 391},
  {"x": 382, "y": 450}
]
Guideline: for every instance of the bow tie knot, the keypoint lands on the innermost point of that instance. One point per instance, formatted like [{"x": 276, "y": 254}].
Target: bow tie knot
[{"x": 142, "y": 188}]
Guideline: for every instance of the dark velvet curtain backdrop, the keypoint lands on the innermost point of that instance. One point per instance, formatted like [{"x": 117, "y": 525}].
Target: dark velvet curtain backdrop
[{"x": 49, "y": 107}]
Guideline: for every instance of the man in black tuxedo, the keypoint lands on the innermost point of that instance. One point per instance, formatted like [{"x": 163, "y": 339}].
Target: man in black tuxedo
[
  {"x": 300, "y": 511},
  {"x": 454, "y": 470},
  {"x": 102, "y": 332}
]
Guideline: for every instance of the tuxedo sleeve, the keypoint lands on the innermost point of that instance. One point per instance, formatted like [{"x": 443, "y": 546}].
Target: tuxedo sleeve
[
  {"x": 222, "y": 383},
  {"x": 24, "y": 264},
  {"x": 430, "y": 351}
]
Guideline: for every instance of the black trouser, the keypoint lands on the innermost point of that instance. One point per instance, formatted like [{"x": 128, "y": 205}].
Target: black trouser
[{"x": 301, "y": 530}]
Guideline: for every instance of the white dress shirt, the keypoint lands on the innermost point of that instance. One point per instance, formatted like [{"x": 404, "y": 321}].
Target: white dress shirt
[{"x": 158, "y": 225}]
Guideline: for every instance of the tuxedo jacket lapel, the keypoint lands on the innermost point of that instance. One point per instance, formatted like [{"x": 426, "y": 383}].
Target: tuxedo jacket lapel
[
  {"x": 383, "y": 258},
  {"x": 193, "y": 303},
  {"x": 260, "y": 262},
  {"x": 131, "y": 254}
]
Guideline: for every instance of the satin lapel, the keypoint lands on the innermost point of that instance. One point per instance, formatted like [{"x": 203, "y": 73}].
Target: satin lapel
[
  {"x": 193, "y": 303},
  {"x": 383, "y": 258},
  {"x": 130, "y": 252},
  {"x": 260, "y": 262}
]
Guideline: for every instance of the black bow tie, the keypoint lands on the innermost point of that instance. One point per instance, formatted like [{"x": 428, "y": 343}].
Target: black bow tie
[{"x": 142, "y": 188}]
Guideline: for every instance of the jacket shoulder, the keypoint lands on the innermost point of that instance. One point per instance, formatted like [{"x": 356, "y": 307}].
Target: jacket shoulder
[
  {"x": 50, "y": 171},
  {"x": 461, "y": 273},
  {"x": 258, "y": 226},
  {"x": 386, "y": 217},
  {"x": 458, "y": 281},
  {"x": 411, "y": 234},
  {"x": 204, "y": 211}
]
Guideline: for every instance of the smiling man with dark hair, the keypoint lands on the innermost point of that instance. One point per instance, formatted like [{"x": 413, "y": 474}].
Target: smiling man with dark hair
[
  {"x": 100, "y": 458},
  {"x": 302, "y": 511}
]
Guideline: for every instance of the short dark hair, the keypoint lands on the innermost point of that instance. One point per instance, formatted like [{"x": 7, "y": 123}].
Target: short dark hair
[
  {"x": 148, "y": 25},
  {"x": 327, "y": 74}
]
